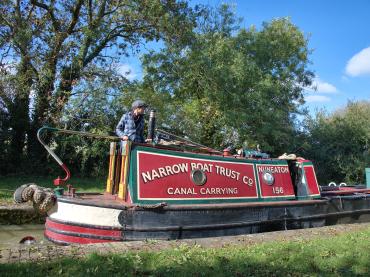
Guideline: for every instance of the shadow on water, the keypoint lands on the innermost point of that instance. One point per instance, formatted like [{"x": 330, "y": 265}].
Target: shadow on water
[{"x": 11, "y": 235}]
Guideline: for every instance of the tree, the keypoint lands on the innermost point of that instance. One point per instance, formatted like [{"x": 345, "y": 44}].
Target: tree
[
  {"x": 339, "y": 143},
  {"x": 95, "y": 109},
  {"x": 233, "y": 85},
  {"x": 53, "y": 44}
]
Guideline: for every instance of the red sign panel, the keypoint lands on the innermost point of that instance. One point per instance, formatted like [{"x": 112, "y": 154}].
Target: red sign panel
[
  {"x": 274, "y": 181},
  {"x": 162, "y": 176}
]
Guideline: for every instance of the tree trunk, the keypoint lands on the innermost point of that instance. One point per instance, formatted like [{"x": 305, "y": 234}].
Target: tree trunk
[
  {"x": 19, "y": 126},
  {"x": 19, "y": 114},
  {"x": 48, "y": 110},
  {"x": 40, "y": 117},
  {"x": 69, "y": 75}
]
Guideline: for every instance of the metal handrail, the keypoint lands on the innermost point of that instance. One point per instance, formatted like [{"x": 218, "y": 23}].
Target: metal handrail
[
  {"x": 188, "y": 141},
  {"x": 60, "y": 181}
]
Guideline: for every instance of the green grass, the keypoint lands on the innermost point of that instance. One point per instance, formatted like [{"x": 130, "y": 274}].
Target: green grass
[
  {"x": 343, "y": 255},
  {"x": 9, "y": 184}
]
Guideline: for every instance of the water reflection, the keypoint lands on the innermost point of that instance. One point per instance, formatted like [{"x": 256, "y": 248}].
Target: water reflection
[{"x": 11, "y": 235}]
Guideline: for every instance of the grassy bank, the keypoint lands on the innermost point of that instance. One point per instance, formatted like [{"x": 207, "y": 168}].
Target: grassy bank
[
  {"x": 10, "y": 183},
  {"x": 343, "y": 255}
]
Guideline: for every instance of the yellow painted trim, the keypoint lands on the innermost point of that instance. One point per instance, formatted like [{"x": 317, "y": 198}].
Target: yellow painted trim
[
  {"x": 110, "y": 181},
  {"x": 124, "y": 172}
]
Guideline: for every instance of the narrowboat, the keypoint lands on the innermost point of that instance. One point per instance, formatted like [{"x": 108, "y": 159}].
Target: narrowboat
[{"x": 167, "y": 192}]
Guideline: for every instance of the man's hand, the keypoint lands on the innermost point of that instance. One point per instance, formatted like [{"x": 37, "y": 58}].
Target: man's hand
[
  {"x": 124, "y": 138},
  {"x": 148, "y": 140}
]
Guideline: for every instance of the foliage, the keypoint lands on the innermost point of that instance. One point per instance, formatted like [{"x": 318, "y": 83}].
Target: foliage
[
  {"x": 48, "y": 47},
  {"x": 339, "y": 143},
  {"x": 212, "y": 81},
  {"x": 343, "y": 255},
  {"x": 232, "y": 85},
  {"x": 93, "y": 109}
]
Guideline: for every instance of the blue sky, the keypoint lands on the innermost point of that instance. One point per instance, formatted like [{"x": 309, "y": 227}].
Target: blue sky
[{"x": 339, "y": 35}]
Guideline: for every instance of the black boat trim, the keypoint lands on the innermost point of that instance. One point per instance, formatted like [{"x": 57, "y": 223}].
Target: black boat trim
[
  {"x": 56, "y": 241},
  {"x": 243, "y": 224}
]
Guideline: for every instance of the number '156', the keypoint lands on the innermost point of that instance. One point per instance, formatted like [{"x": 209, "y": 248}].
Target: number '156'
[{"x": 277, "y": 190}]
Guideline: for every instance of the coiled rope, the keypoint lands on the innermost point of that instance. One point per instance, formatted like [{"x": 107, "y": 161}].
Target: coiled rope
[{"x": 43, "y": 199}]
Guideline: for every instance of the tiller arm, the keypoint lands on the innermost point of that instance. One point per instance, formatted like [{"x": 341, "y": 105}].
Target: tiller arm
[{"x": 60, "y": 181}]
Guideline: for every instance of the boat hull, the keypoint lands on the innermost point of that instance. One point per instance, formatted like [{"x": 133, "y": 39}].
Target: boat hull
[{"x": 85, "y": 221}]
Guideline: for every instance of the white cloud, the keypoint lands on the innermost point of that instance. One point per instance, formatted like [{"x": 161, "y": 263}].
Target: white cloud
[
  {"x": 317, "y": 98},
  {"x": 127, "y": 71},
  {"x": 322, "y": 87},
  {"x": 359, "y": 64},
  {"x": 318, "y": 88},
  {"x": 325, "y": 87}
]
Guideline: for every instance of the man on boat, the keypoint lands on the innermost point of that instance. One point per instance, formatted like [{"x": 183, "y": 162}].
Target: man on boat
[{"x": 131, "y": 125}]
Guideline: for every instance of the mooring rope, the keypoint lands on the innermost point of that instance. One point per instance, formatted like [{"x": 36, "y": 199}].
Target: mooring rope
[{"x": 43, "y": 199}]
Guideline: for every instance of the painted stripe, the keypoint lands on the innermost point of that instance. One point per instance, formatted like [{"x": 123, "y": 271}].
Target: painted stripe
[
  {"x": 72, "y": 234},
  {"x": 83, "y": 230},
  {"x": 86, "y": 225},
  {"x": 62, "y": 238}
]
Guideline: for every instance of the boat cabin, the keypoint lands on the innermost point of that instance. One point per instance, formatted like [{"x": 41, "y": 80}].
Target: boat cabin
[{"x": 150, "y": 174}]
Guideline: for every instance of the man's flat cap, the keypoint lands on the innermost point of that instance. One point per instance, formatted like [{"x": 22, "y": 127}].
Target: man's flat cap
[{"x": 138, "y": 104}]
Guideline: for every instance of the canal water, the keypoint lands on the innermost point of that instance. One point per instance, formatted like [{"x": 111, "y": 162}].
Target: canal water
[{"x": 11, "y": 235}]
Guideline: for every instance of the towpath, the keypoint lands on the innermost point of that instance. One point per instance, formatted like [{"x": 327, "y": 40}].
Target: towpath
[{"x": 50, "y": 252}]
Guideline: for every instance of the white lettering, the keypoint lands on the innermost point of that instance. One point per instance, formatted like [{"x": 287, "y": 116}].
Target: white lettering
[
  {"x": 181, "y": 191},
  {"x": 169, "y": 170},
  {"x": 218, "y": 191},
  {"x": 146, "y": 176},
  {"x": 162, "y": 172},
  {"x": 273, "y": 169},
  {"x": 248, "y": 181},
  {"x": 177, "y": 168},
  {"x": 204, "y": 167},
  {"x": 155, "y": 174},
  {"x": 227, "y": 172}
]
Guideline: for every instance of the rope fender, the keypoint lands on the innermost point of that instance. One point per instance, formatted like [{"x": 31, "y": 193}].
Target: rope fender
[
  {"x": 43, "y": 199},
  {"x": 150, "y": 206}
]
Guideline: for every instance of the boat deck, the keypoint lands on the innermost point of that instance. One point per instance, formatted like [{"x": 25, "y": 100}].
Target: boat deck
[{"x": 112, "y": 201}]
